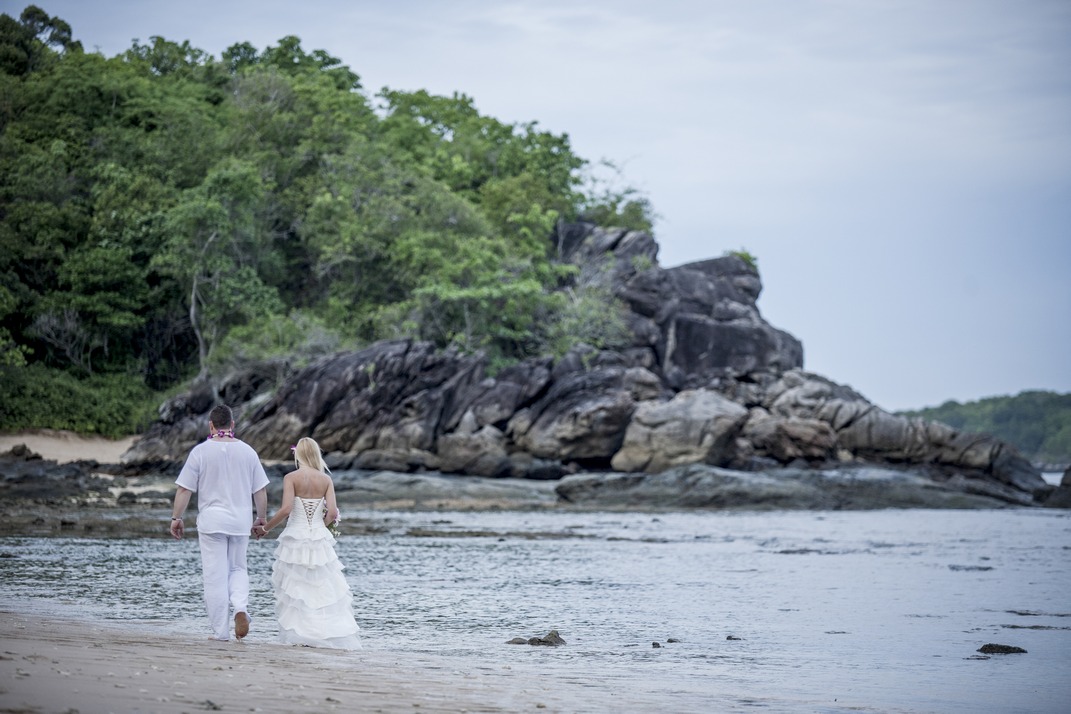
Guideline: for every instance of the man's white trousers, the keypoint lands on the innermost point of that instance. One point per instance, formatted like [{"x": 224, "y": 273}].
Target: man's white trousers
[{"x": 226, "y": 579}]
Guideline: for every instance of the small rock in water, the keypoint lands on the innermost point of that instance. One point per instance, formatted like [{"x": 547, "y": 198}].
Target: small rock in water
[
  {"x": 656, "y": 645},
  {"x": 672, "y": 639},
  {"x": 733, "y": 637},
  {"x": 1000, "y": 649},
  {"x": 517, "y": 641},
  {"x": 553, "y": 639}
]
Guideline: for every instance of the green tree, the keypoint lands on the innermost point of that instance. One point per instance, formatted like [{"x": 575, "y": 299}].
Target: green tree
[
  {"x": 479, "y": 290},
  {"x": 101, "y": 291},
  {"x": 164, "y": 57},
  {"x": 362, "y": 205},
  {"x": 608, "y": 201},
  {"x": 289, "y": 57},
  {"x": 33, "y": 41},
  {"x": 211, "y": 250},
  {"x": 466, "y": 151},
  {"x": 93, "y": 149},
  {"x": 240, "y": 57}
]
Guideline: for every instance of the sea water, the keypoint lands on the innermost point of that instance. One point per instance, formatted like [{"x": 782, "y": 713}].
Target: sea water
[{"x": 875, "y": 611}]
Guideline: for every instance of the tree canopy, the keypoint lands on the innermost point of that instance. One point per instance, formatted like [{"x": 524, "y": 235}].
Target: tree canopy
[{"x": 163, "y": 212}]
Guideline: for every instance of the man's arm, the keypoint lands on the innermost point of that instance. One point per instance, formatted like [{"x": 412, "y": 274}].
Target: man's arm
[
  {"x": 182, "y": 501},
  {"x": 260, "y": 499}
]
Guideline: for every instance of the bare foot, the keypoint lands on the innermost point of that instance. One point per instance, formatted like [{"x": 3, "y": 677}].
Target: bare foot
[{"x": 241, "y": 624}]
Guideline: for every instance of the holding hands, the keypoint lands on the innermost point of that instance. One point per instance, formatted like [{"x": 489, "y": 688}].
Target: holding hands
[{"x": 259, "y": 530}]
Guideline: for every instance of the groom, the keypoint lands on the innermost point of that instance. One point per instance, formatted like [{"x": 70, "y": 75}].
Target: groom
[{"x": 224, "y": 472}]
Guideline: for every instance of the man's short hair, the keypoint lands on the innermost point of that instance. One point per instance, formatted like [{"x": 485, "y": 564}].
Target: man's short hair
[{"x": 221, "y": 416}]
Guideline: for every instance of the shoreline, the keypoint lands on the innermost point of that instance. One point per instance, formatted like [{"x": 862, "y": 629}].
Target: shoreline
[
  {"x": 53, "y": 664},
  {"x": 79, "y": 487},
  {"x": 67, "y": 446}
]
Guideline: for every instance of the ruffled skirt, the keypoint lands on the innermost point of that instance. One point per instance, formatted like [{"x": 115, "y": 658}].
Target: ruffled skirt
[{"x": 313, "y": 602}]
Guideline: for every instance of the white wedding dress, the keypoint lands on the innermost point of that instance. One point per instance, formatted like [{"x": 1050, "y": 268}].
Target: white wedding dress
[{"x": 313, "y": 602}]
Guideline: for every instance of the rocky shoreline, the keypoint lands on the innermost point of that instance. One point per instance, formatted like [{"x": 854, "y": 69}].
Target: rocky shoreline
[{"x": 41, "y": 497}]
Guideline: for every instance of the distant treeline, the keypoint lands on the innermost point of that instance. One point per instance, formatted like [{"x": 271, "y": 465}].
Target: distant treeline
[
  {"x": 164, "y": 214},
  {"x": 1038, "y": 423}
]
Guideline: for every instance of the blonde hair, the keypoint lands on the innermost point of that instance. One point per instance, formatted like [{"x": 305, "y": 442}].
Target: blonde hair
[{"x": 307, "y": 453}]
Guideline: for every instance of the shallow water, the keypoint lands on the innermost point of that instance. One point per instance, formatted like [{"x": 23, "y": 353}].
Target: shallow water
[{"x": 834, "y": 611}]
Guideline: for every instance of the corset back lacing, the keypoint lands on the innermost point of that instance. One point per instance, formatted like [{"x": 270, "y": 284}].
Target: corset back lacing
[{"x": 312, "y": 509}]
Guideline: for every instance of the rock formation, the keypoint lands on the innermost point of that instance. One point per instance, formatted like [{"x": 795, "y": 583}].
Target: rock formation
[{"x": 706, "y": 382}]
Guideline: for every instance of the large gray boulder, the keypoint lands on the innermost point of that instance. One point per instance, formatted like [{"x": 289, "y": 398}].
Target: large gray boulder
[
  {"x": 717, "y": 328},
  {"x": 474, "y": 451},
  {"x": 787, "y": 438},
  {"x": 695, "y": 426},
  {"x": 701, "y": 319},
  {"x": 582, "y": 417},
  {"x": 697, "y": 347}
]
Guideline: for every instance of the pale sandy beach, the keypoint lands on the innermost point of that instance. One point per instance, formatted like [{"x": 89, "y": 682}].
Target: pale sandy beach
[
  {"x": 51, "y": 665},
  {"x": 65, "y": 446}
]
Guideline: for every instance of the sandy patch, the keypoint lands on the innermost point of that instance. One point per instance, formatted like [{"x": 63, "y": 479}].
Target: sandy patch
[
  {"x": 66, "y": 446},
  {"x": 55, "y": 665}
]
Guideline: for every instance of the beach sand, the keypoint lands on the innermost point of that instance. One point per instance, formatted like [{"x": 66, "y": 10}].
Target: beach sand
[
  {"x": 66, "y": 446},
  {"x": 54, "y": 665}
]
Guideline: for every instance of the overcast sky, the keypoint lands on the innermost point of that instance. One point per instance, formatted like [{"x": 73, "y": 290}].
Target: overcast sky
[{"x": 901, "y": 168}]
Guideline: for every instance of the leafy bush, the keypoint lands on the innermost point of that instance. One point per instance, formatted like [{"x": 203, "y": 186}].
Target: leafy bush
[
  {"x": 744, "y": 256},
  {"x": 297, "y": 338},
  {"x": 590, "y": 315},
  {"x": 36, "y": 397}
]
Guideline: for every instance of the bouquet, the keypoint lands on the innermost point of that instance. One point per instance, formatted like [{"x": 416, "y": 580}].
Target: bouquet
[{"x": 332, "y": 527}]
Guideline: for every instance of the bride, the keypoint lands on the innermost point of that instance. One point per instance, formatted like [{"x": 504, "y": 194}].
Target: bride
[{"x": 313, "y": 602}]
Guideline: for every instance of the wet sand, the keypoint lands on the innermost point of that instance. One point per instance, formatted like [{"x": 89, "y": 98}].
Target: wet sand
[{"x": 57, "y": 665}]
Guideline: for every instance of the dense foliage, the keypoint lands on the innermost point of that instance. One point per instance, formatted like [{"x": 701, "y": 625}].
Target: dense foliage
[
  {"x": 1038, "y": 423},
  {"x": 164, "y": 213},
  {"x": 111, "y": 405}
]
